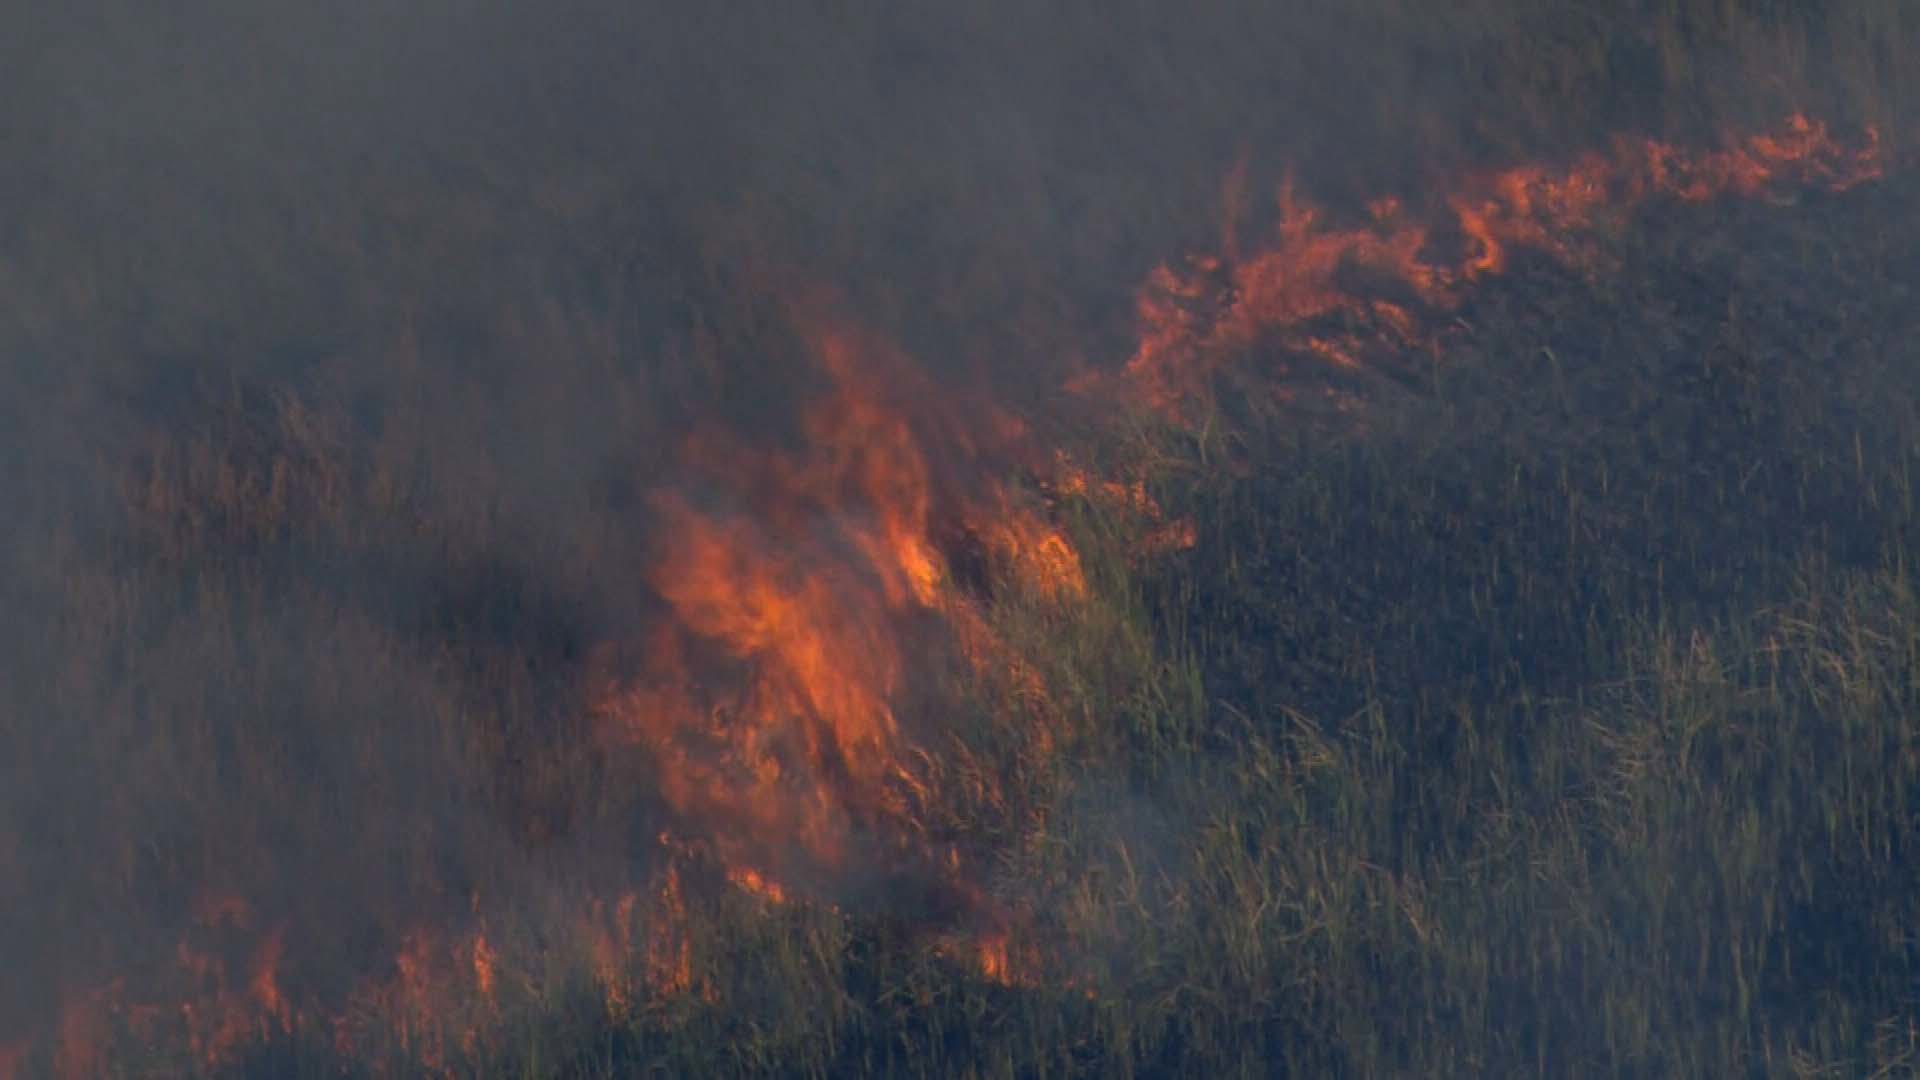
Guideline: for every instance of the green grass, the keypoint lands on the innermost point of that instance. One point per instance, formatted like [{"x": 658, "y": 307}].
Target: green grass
[{"x": 1559, "y": 722}]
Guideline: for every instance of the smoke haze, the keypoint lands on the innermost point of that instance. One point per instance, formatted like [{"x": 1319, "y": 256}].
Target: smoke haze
[{"x": 347, "y": 347}]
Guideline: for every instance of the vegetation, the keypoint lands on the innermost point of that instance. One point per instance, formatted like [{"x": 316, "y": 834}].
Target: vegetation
[{"x": 1556, "y": 717}]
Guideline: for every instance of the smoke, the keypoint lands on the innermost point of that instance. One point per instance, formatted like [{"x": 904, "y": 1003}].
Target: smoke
[{"x": 345, "y": 344}]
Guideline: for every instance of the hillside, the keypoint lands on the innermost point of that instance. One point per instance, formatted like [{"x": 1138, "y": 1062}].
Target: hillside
[{"x": 849, "y": 539}]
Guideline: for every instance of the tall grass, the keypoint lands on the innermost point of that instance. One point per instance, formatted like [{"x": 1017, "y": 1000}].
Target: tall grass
[{"x": 1559, "y": 723}]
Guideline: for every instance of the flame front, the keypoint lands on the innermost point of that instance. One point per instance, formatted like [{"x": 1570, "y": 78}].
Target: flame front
[
  {"x": 804, "y": 597},
  {"x": 1298, "y": 294},
  {"x": 810, "y": 590}
]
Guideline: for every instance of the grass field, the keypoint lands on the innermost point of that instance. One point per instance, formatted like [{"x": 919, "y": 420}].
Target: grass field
[{"x": 1548, "y": 708}]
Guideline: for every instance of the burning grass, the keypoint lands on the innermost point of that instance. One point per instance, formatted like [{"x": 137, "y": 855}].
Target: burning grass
[
  {"x": 1373, "y": 295},
  {"x": 783, "y": 707}
]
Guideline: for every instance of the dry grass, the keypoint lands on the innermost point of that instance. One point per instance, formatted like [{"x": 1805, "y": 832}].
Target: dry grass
[{"x": 1563, "y": 725}]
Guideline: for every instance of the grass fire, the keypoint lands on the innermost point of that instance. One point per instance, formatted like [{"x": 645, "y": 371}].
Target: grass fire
[{"x": 599, "y": 539}]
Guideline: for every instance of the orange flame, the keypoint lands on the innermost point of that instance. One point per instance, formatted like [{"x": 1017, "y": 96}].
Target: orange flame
[
  {"x": 1195, "y": 318},
  {"x": 483, "y": 963},
  {"x": 805, "y": 591},
  {"x": 1131, "y": 499},
  {"x": 758, "y": 884},
  {"x": 811, "y": 597}
]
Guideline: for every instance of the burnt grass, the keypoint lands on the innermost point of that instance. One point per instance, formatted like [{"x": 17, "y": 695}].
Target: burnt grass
[{"x": 1555, "y": 717}]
